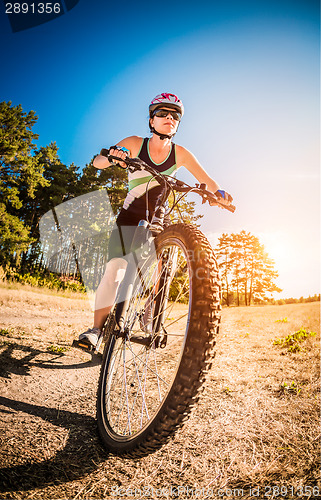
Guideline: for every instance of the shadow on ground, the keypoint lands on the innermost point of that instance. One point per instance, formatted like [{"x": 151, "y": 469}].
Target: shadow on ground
[
  {"x": 21, "y": 366},
  {"x": 80, "y": 456},
  {"x": 82, "y": 452}
]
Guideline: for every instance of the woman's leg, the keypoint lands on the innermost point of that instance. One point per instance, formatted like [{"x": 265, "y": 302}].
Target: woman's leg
[
  {"x": 108, "y": 287},
  {"x": 100, "y": 316},
  {"x": 104, "y": 300},
  {"x": 107, "y": 290}
]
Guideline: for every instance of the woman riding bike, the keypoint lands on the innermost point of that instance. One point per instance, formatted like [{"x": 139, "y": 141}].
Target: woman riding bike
[{"x": 158, "y": 151}]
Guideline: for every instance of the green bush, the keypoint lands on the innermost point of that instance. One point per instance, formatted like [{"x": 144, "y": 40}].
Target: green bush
[
  {"x": 292, "y": 341},
  {"x": 48, "y": 280}
]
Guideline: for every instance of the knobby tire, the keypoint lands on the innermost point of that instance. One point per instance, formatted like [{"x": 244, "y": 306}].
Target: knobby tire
[{"x": 193, "y": 363}]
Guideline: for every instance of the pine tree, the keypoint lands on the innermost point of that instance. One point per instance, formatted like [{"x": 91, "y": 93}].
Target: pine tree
[
  {"x": 184, "y": 210},
  {"x": 246, "y": 268},
  {"x": 19, "y": 172},
  {"x": 61, "y": 184},
  {"x": 223, "y": 254},
  {"x": 114, "y": 179}
]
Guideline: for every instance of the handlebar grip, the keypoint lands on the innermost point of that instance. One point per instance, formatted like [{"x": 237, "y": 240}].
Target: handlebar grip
[
  {"x": 231, "y": 208},
  {"x": 111, "y": 159}
]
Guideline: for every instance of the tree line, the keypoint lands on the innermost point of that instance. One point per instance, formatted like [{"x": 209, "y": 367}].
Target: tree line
[{"x": 33, "y": 180}]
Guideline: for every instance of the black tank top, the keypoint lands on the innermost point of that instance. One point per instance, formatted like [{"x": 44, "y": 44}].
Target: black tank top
[{"x": 134, "y": 208}]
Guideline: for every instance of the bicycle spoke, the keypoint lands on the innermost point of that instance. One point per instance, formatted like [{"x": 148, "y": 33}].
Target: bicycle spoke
[
  {"x": 158, "y": 386},
  {"x": 145, "y": 379},
  {"x": 151, "y": 370},
  {"x": 176, "y": 320},
  {"x": 138, "y": 379},
  {"x": 124, "y": 353}
]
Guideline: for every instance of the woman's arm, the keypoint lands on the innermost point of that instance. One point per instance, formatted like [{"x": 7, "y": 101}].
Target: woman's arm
[
  {"x": 186, "y": 159},
  {"x": 132, "y": 143}
]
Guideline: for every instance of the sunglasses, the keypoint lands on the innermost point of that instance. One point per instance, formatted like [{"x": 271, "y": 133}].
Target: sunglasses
[{"x": 162, "y": 113}]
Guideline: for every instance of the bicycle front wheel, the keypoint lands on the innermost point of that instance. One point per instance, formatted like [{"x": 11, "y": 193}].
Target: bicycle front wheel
[{"x": 151, "y": 377}]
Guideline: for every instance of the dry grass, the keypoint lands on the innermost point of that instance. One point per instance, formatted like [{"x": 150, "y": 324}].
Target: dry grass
[{"x": 256, "y": 425}]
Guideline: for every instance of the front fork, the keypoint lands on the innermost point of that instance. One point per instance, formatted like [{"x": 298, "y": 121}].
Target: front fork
[{"x": 168, "y": 267}]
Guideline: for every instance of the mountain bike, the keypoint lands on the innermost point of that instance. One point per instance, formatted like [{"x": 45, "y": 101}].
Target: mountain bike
[{"x": 160, "y": 336}]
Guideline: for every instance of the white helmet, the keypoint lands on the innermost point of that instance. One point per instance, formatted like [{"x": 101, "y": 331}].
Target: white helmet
[{"x": 168, "y": 100}]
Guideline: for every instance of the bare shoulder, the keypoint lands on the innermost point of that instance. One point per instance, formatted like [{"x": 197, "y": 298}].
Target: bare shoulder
[
  {"x": 183, "y": 155},
  {"x": 133, "y": 143}
]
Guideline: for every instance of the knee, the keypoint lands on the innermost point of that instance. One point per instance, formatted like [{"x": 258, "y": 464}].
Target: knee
[{"x": 115, "y": 269}]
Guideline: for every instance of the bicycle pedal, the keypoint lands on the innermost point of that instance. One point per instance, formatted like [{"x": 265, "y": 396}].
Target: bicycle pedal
[{"x": 79, "y": 344}]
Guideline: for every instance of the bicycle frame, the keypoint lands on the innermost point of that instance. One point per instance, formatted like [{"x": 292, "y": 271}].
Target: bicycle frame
[{"x": 144, "y": 233}]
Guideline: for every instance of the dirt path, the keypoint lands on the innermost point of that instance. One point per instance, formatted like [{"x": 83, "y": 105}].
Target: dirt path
[{"x": 256, "y": 424}]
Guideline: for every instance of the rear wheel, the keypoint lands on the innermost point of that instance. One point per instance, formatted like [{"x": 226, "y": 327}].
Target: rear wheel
[{"x": 151, "y": 379}]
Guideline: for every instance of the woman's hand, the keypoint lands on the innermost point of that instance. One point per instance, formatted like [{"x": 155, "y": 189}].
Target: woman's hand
[
  {"x": 121, "y": 153},
  {"x": 101, "y": 161},
  {"x": 224, "y": 197}
]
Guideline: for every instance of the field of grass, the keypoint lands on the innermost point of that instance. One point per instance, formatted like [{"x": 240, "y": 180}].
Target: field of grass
[{"x": 255, "y": 428}]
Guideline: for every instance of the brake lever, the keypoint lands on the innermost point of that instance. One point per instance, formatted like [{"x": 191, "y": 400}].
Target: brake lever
[{"x": 230, "y": 208}]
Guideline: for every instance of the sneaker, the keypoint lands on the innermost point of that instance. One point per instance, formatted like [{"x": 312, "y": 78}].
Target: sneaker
[{"x": 90, "y": 337}]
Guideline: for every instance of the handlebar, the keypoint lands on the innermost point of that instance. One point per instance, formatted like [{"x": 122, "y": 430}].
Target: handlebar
[{"x": 134, "y": 164}]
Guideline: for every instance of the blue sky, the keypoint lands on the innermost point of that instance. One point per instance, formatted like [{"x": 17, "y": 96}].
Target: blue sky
[{"x": 248, "y": 74}]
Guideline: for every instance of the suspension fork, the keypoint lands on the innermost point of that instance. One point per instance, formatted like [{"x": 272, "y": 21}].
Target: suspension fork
[
  {"x": 157, "y": 222},
  {"x": 168, "y": 265}
]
